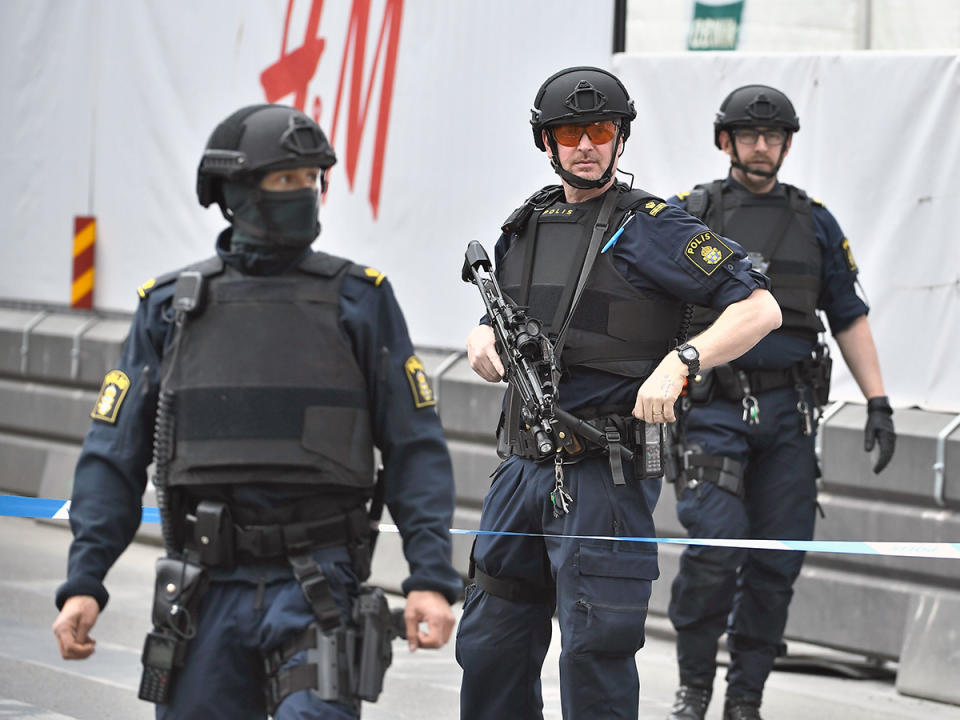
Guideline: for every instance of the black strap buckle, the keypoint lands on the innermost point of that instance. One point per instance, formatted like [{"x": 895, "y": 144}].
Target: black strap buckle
[
  {"x": 613, "y": 437},
  {"x": 316, "y": 590}
]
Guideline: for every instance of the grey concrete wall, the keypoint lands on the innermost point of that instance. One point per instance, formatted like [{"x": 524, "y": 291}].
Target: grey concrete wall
[{"x": 52, "y": 361}]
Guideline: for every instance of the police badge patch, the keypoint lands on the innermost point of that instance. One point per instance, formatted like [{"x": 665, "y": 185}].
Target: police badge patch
[
  {"x": 112, "y": 393},
  {"x": 417, "y": 377},
  {"x": 707, "y": 252},
  {"x": 848, "y": 255}
]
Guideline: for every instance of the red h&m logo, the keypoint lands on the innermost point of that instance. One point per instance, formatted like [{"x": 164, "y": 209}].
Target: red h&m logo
[{"x": 294, "y": 70}]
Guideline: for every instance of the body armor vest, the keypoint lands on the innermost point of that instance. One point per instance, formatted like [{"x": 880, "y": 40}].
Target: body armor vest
[
  {"x": 264, "y": 383},
  {"x": 615, "y": 326},
  {"x": 777, "y": 230}
]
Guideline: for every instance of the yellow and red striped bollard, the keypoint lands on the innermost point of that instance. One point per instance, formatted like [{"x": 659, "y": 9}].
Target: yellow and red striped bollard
[{"x": 84, "y": 238}]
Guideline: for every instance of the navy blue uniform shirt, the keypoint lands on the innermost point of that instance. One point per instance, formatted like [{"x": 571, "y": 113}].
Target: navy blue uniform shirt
[
  {"x": 650, "y": 256},
  {"x": 838, "y": 297},
  {"x": 111, "y": 473}
]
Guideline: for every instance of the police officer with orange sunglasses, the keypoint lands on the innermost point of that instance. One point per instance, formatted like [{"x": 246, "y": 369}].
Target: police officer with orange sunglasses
[{"x": 608, "y": 270}]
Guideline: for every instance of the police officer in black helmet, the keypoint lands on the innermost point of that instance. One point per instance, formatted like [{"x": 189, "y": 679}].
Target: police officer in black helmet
[
  {"x": 746, "y": 441},
  {"x": 638, "y": 261},
  {"x": 260, "y": 381}
]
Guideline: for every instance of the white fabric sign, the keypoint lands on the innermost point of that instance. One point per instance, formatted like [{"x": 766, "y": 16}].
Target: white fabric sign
[
  {"x": 108, "y": 105},
  {"x": 878, "y": 145}
]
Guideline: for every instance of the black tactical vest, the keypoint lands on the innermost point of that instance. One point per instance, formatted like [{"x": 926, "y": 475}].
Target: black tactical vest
[
  {"x": 266, "y": 388},
  {"x": 615, "y": 326},
  {"x": 780, "y": 229}
]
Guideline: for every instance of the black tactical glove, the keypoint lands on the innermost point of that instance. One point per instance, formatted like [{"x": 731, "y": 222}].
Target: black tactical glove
[{"x": 880, "y": 430}]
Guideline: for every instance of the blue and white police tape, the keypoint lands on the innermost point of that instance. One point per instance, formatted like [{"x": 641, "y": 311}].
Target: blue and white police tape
[{"x": 15, "y": 506}]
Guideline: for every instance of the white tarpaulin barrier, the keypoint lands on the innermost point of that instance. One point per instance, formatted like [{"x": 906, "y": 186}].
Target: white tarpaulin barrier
[
  {"x": 108, "y": 105},
  {"x": 879, "y": 145}
]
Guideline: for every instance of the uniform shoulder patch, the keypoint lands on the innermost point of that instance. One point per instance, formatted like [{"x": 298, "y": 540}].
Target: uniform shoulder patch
[
  {"x": 707, "y": 251},
  {"x": 848, "y": 255},
  {"x": 419, "y": 385},
  {"x": 816, "y": 202},
  {"x": 683, "y": 195},
  {"x": 112, "y": 392}
]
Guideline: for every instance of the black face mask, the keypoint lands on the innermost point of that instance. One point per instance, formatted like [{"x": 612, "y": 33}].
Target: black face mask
[{"x": 263, "y": 218}]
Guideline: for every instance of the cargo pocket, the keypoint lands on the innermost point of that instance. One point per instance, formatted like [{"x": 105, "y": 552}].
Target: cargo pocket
[{"x": 611, "y": 608}]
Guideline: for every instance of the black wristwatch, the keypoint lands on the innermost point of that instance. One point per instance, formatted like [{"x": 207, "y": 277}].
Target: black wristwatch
[{"x": 689, "y": 357}]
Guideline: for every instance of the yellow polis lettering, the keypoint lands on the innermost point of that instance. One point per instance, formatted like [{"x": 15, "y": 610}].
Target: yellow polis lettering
[{"x": 697, "y": 242}]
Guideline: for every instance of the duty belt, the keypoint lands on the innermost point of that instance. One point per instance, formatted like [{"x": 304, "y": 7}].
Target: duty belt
[
  {"x": 578, "y": 448},
  {"x": 759, "y": 380},
  {"x": 220, "y": 542}
]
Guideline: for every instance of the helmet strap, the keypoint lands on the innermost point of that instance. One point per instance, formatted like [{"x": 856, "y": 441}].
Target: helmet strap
[
  {"x": 735, "y": 162},
  {"x": 575, "y": 180}
]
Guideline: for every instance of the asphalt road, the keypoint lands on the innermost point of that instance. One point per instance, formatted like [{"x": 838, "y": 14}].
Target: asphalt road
[{"x": 36, "y": 684}]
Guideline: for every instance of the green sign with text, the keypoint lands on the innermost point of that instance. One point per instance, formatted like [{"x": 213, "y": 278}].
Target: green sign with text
[{"x": 715, "y": 27}]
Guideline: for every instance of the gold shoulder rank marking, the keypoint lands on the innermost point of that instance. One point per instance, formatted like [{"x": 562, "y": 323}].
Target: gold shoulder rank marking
[
  {"x": 707, "y": 251},
  {"x": 683, "y": 195},
  {"x": 112, "y": 393},
  {"x": 657, "y": 209},
  {"x": 816, "y": 202},
  {"x": 652, "y": 207},
  {"x": 419, "y": 385},
  {"x": 375, "y": 276},
  {"x": 145, "y": 288}
]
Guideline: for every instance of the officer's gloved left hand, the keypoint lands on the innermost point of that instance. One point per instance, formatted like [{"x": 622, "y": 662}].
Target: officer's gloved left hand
[{"x": 880, "y": 430}]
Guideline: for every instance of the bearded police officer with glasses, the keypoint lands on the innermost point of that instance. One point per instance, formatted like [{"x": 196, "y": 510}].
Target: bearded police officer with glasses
[
  {"x": 608, "y": 270},
  {"x": 745, "y": 440},
  {"x": 261, "y": 379}
]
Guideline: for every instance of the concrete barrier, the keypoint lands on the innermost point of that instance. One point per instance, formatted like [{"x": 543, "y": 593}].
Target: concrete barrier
[{"x": 53, "y": 359}]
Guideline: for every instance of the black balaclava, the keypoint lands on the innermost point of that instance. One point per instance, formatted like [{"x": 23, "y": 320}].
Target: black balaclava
[{"x": 272, "y": 222}]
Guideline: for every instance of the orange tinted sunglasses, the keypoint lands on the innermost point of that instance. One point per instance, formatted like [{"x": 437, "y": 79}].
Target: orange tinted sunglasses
[{"x": 599, "y": 132}]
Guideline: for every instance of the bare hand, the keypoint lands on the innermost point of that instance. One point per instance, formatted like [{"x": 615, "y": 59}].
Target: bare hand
[
  {"x": 433, "y": 609},
  {"x": 72, "y": 627},
  {"x": 482, "y": 354},
  {"x": 657, "y": 395}
]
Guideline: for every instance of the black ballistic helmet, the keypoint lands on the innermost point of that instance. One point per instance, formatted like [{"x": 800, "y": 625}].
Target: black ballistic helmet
[
  {"x": 579, "y": 95},
  {"x": 755, "y": 105},
  {"x": 256, "y": 140}
]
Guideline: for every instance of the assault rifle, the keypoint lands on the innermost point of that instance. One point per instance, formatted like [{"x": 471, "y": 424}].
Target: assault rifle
[{"x": 529, "y": 361}]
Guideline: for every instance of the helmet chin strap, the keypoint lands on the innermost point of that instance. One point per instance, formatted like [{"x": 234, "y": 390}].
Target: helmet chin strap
[
  {"x": 575, "y": 180},
  {"x": 735, "y": 162}
]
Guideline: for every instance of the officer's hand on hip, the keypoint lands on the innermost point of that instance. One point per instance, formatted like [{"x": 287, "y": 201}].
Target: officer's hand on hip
[
  {"x": 880, "y": 430},
  {"x": 73, "y": 625},
  {"x": 432, "y": 608},
  {"x": 659, "y": 392},
  {"x": 482, "y": 354}
]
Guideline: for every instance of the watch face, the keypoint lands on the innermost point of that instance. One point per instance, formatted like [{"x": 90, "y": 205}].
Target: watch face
[{"x": 689, "y": 354}]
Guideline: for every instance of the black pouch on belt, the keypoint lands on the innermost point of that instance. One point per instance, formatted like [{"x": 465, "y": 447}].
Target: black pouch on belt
[
  {"x": 179, "y": 589},
  {"x": 177, "y": 595},
  {"x": 210, "y": 534},
  {"x": 700, "y": 387}
]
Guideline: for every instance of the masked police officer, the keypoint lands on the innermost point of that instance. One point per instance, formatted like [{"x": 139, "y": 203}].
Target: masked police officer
[
  {"x": 262, "y": 379},
  {"x": 637, "y": 261},
  {"x": 747, "y": 440}
]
